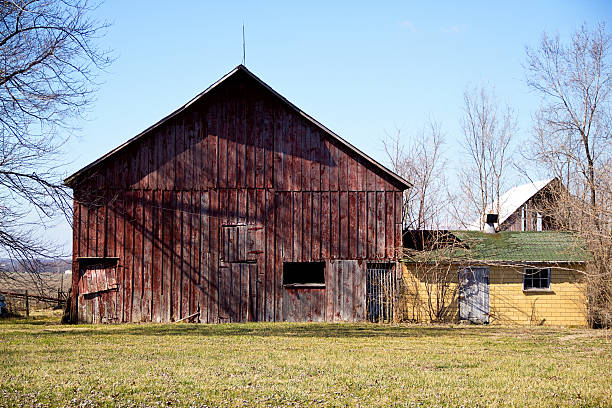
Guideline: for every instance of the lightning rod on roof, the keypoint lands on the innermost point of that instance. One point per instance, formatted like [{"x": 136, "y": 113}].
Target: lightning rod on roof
[{"x": 243, "y": 46}]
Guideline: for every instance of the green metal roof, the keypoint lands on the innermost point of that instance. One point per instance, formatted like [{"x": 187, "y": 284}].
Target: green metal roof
[{"x": 508, "y": 246}]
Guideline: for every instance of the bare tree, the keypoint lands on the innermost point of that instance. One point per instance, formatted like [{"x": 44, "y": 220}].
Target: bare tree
[
  {"x": 420, "y": 161},
  {"x": 428, "y": 290},
  {"x": 572, "y": 125},
  {"x": 49, "y": 59},
  {"x": 488, "y": 130},
  {"x": 573, "y": 142}
]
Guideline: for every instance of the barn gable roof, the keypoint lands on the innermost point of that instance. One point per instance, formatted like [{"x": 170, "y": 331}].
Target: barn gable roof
[
  {"x": 241, "y": 68},
  {"x": 511, "y": 201}
]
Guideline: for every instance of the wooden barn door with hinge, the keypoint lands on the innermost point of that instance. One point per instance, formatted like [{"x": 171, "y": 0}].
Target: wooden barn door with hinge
[
  {"x": 474, "y": 295},
  {"x": 381, "y": 288},
  {"x": 242, "y": 246},
  {"x": 97, "y": 291}
]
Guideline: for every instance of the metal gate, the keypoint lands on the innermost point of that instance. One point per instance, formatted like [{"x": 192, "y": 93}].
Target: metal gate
[
  {"x": 381, "y": 288},
  {"x": 474, "y": 295}
]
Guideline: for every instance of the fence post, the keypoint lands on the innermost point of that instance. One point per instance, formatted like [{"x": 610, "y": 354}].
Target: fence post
[{"x": 27, "y": 304}]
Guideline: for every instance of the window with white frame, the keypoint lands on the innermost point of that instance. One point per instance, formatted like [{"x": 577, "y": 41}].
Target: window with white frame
[{"x": 536, "y": 278}]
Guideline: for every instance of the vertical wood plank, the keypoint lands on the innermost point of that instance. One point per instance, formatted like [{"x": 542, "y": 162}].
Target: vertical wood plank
[
  {"x": 380, "y": 224},
  {"x": 147, "y": 263},
  {"x": 129, "y": 256},
  {"x": 213, "y": 268},
  {"x": 297, "y": 214},
  {"x": 252, "y": 312},
  {"x": 334, "y": 238},
  {"x": 389, "y": 225},
  {"x": 121, "y": 263},
  {"x": 195, "y": 283},
  {"x": 76, "y": 251},
  {"x": 325, "y": 225},
  {"x": 241, "y": 207},
  {"x": 245, "y": 295},
  {"x": 270, "y": 254},
  {"x": 334, "y": 166},
  {"x": 315, "y": 160},
  {"x": 167, "y": 247},
  {"x": 316, "y": 226},
  {"x": 307, "y": 226},
  {"x": 353, "y": 225},
  {"x": 344, "y": 221},
  {"x": 371, "y": 221},
  {"x": 204, "y": 283},
  {"x": 157, "y": 239},
  {"x": 257, "y": 135},
  {"x": 109, "y": 226},
  {"x": 270, "y": 155},
  {"x": 325, "y": 159},
  {"x": 101, "y": 227},
  {"x": 225, "y": 293},
  {"x": 242, "y": 164},
  {"x": 138, "y": 252},
  {"x": 398, "y": 218},
  {"x": 330, "y": 287},
  {"x": 177, "y": 261},
  {"x": 359, "y": 291},
  {"x": 186, "y": 261},
  {"x": 222, "y": 145},
  {"x": 232, "y": 145},
  {"x": 339, "y": 306},
  {"x": 211, "y": 161}
]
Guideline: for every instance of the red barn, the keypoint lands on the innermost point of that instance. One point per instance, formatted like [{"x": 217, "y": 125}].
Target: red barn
[{"x": 236, "y": 207}]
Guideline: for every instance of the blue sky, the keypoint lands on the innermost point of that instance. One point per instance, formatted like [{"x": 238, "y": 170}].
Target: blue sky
[{"x": 360, "y": 68}]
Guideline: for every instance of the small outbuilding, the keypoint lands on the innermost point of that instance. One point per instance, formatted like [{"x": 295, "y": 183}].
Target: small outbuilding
[
  {"x": 236, "y": 207},
  {"x": 505, "y": 277}
]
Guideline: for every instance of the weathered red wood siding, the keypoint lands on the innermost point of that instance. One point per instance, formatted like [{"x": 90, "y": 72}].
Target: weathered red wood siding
[{"x": 240, "y": 156}]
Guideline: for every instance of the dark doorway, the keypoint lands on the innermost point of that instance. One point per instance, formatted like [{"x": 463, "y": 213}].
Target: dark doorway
[{"x": 381, "y": 288}]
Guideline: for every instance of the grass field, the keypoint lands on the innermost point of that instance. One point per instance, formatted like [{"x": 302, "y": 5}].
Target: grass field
[{"x": 43, "y": 363}]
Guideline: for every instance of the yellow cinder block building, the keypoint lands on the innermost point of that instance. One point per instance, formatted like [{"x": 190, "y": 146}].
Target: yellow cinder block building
[{"x": 531, "y": 278}]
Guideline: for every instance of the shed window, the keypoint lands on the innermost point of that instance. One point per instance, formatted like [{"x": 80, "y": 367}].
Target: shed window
[
  {"x": 97, "y": 275},
  {"x": 536, "y": 278},
  {"x": 304, "y": 274}
]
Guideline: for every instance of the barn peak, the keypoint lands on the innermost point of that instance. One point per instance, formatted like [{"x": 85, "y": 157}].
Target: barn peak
[{"x": 240, "y": 69}]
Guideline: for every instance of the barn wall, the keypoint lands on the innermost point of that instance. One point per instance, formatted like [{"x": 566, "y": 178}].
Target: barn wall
[
  {"x": 160, "y": 204},
  {"x": 168, "y": 246}
]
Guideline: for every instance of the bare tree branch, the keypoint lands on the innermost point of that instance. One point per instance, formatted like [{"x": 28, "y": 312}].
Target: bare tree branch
[{"x": 49, "y": 59}]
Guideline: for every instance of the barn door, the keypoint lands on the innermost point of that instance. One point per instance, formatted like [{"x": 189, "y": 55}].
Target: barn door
[
  {"x": 381, "y": 287},
  {"x": 97, "y": 291},
  {"x": 474, "y": 295},
  {"x": 241, "y": 248},
  {"x": 238, "y": 292}
]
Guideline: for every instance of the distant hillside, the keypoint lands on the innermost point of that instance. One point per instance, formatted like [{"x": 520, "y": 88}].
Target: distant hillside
[{"x": 46, "y": 265}]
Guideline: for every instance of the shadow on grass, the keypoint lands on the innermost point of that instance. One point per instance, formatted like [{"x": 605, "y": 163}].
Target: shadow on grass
[{"x": 322, "y": 330}]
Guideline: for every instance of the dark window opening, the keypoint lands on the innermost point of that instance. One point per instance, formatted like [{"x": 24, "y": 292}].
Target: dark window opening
[
  {"x": 304, "y": 274},
  {"x": 534, "y": 278},
  {"x": 97, "y": 262}
]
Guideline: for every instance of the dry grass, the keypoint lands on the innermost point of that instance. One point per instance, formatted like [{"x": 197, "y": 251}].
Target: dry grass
[
  {"x": 275, "y": 365},
  {"x": 45, "y": 283}
]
